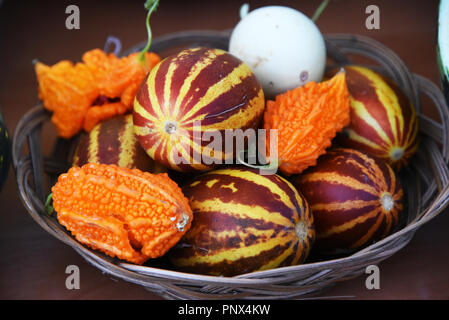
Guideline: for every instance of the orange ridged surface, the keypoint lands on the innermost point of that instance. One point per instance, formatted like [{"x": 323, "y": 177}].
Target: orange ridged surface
[
  {"x": 71, "y": 90},
  {"x": 123, "y": 212},
  {"x": 307, "y": 119},
  {"x": 66, "y": 90}
]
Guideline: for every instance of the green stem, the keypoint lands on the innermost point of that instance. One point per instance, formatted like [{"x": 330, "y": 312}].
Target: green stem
[
  {"x": 320, "y": 10},
  {"x": 151, "y": 6},
  {"x": 48, "y": 205}
]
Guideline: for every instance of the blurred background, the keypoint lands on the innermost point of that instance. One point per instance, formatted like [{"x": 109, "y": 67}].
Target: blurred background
[{"x": 32, "y": 263}]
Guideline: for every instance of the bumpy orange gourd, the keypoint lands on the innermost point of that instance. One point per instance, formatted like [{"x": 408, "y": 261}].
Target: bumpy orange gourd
[
  {"x": 115, "y": 78},
  {"x": 125, "y": 213},
  {"x": 83, "y": 94},
  {"x": 307, "y": 119},
  {"x": 67, "y": 90}
]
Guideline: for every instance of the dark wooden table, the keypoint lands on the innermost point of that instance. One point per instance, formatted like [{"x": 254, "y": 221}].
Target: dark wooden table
[{"x": 33, "y": 264}]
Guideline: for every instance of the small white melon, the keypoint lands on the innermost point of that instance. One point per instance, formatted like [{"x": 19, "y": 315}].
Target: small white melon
[{"x": 283, "y": 47}]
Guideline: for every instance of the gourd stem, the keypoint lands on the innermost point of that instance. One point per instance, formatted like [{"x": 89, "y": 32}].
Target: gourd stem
[
  {"x": 48, "y": 206},
  {"x": 244, "y": 10},
  {"x": 150, "y": 5},
  {"x": 320, "y": 10}
]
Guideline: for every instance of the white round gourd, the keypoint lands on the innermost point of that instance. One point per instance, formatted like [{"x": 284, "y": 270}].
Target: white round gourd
[{"x": 283, "y": 47}]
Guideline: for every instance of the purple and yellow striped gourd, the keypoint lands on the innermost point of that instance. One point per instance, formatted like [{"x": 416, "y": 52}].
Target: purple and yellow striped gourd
[
  {"x": 198, "y": 86},
  {"x": 243, "y": 222}
]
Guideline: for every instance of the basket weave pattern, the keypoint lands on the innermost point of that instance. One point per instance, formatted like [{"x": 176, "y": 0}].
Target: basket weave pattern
[{"x": 425, "y": 184}]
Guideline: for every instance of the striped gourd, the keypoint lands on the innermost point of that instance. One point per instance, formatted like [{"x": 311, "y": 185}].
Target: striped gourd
[
  {"x": 243, "y": 222},
  {"x": 199, "y": 86},
  {"x": 383, "y": 120},
  {"x": 355, "y": 199},
  {"x": 113, "y": 142}
]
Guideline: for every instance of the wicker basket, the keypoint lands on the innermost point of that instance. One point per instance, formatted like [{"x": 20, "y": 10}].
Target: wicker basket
[{"x": 425, "y": 185}]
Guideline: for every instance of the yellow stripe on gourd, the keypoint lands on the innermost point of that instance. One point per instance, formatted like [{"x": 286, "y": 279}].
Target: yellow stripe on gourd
[
  {"x": 299, "y": 200},
  {"x": 184, "y": 153},
  {"x": 143, "y": 112},
  {"x": 167, "y": 86},
  {"x": 392, "y": 181},
  {"x": 240, "y": 210},
  {"x": 171, "y": 142},
  {"x": 141, "y": 131},
  {"x": 361, "y": 111},
  {"x": 233, "y": 78},
  {"x": 261, "y": 181},
  {"x": 151, "y": 87},
  {"x": 230, "y": 186},
  {"x": 345, "y": 205},
  {"x": 304, "y": 209},
  {"x": 354, "y": 136},
  {"x": 388, "y": 99},
  {"x": 93, "y": 145},
  {"x": 335, "y": 178},
  {"x": 373, "y": 171},
  {"x": 370, "y": 232},
  {"x": 168, "y": 146},
  {"x": 127, "y": 143},
  {"x": 195, "y": 183},
  {"x": 205, "y": 151},
  {"x": 211, "y": 183},
  {"x": 241, "y": 233},
  {"x": 193, "y": 73},
  {"x": 278, "y": 260},
  {"x": 303, "y": 248},
  {"x": 348, "y": 225},
  {"x": 238, "y": 120},
  {"x": 231, "y": 254},
  {"x": 152, "y": 151},
  {"x": 162, "y": 149}
]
